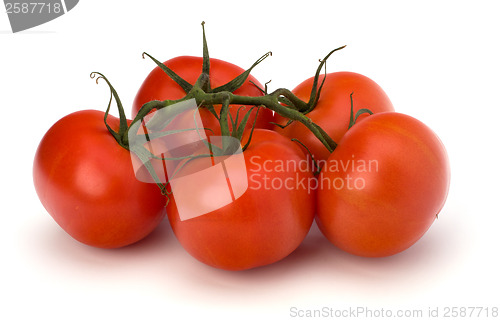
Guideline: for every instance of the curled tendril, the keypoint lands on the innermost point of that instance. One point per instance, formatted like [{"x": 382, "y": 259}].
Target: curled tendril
[
  {"x": 100, "y": 76},
  {"x": 93, "y": 74},
  {"x": 265, "y": 87},
  {"x": 238, "y": 111}
]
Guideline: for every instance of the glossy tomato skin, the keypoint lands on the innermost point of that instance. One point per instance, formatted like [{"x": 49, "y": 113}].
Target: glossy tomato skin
[
  {"x": 158, "y": 86},
  {"x": 399, "y": 177},
  {"x": 332, "y": 111},
  {"x": 266, "y": 223},
  {"x": 86, "y": 182}
]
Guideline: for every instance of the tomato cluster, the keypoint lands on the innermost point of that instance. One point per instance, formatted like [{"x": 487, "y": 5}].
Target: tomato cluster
[{"x": 331, "y": 150}]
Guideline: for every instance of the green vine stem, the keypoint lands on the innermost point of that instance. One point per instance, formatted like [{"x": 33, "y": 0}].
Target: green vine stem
[
  {"x": 225, "y": 98},
  {"x": 282, "y": 101},
  {"x": 295, "y": 109}
]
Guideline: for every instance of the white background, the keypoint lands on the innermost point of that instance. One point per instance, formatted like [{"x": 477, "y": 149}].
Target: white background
[{"x": 437, "y": 60}]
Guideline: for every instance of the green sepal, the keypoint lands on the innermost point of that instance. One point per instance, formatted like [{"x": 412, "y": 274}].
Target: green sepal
[
  {"x": 283, "y": 126},
  {"x": 315, "y": 92},
  {"x": 240, "y": 80},
  {"x": 175, "y": 77},
  {"x": 238, "y": 129},
  {"x": 206, "y": 60},
  {"x": 315, "y": 163},
  {"x": 353, "y": 118},
  {"x": 251, "y": 131},
  {"x": 121, "y": 135}
]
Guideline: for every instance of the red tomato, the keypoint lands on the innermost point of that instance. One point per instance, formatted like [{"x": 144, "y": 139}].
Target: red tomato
[
  {"x": 159, "y": 86},
  {"x": 332, "y": 111},
  {"x": 86, "y": 182},
  {"x": 265, "y": 224},
  {"x": 383, "y": 186}
]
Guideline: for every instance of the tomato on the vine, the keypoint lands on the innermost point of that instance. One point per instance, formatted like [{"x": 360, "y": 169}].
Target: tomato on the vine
[
  {"x": 86, "y": 181},
  {"x": 332, "y": 110},
  {"x": 263, "y": 225},
  {"x": 159, "y": 86},
  {"x": 383, "y": 186}
]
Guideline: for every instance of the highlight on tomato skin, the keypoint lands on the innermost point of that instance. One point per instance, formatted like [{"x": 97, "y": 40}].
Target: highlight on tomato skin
[{"x": 384, "y": 185}]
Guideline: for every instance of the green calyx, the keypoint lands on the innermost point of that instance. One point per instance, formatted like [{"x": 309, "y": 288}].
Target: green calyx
[{"x": 281, "y": 101}]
